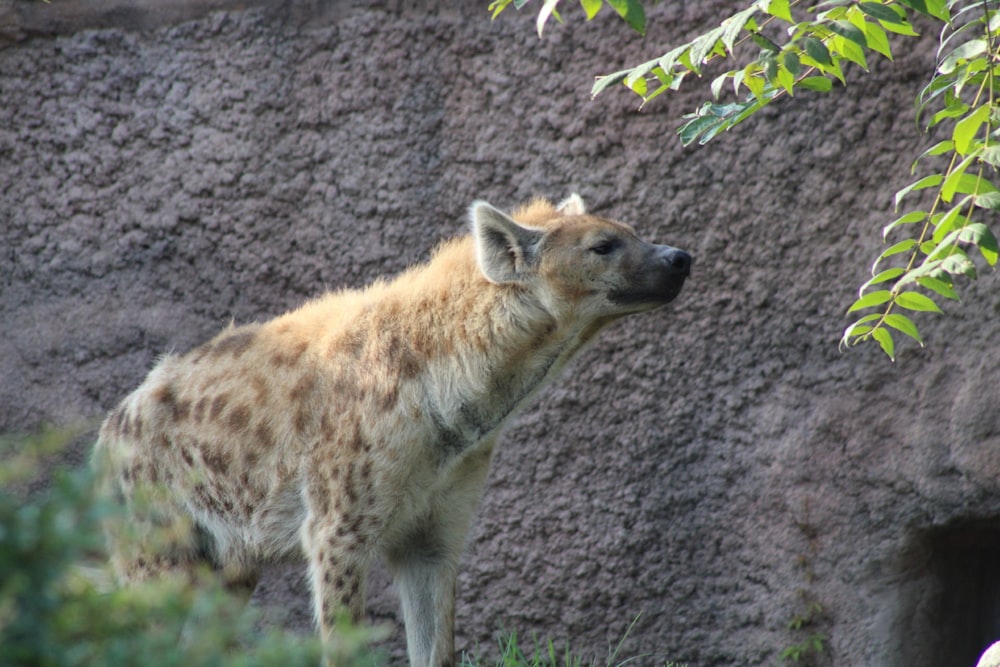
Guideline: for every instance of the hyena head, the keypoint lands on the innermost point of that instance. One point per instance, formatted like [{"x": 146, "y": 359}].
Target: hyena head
[{"x": 575, "y": 262}]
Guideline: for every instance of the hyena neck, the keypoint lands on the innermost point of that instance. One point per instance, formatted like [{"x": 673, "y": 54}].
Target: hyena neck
[{"x": 506, "y": 346}]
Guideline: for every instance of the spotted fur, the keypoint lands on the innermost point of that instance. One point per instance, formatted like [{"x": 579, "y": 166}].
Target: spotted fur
[{"x": 363, "y": 423}]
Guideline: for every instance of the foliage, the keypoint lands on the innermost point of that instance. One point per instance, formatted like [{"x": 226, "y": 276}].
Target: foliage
[
  {"x": 58, "y": 608},
  {"x": 780, "y": 47},
  {"x": 809, "y": 613}
]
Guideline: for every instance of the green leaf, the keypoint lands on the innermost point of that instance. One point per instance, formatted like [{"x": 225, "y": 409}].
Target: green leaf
[
  {"x": 859, "y": 327},
  {"x": 878, "y": 41},
  {"x": 604, "y": 82},
  {"x": 591, "y": 7},
  {"x": 944, "y": 224},
  {"x": 980, "y": 235},
  {"x": 792, "y": 63},
  {"x": 884, "y": 339},
  {"x": 909, "y": 218},
  {"x": 848, "y": 30},
  {"x": 988, "y": 200},
  {"x": 895, "y": 249},
  {"x": 817, "y": 50},
  {"x": 496, "y": 7},
  {"x": 964, "y": 52},
  {"x": 916, "y": 301},
  {"x": 940, "y": 286},
  {"x": 954, "y": 109},
  {"x": 939, "y": 148},
  {"x": 965, "y": 131},
  {"x": 691, "y": 130},
  {"x": 670, "y": 58},
  {"x": 871, "y": 299},
  {"x": 718, "y": 82},
  {"x": 849, "y": 50},
  {"x": 786, "y": 80},
  {"x": 934, "y": 8},
  {"x": 905, "y": 325},
  {"x": 902, "y": 28},
  {"x": 639, "y": 72},
  {"x": 959, "y": 265},
  {"x": 817, "y": 83},
  {"x": 926, "y": 182},
  {"x": 881, "y": 12},
  {"x": 779, "y": 9},
  {"x": 733, "y": 26},
  {"x": 704, "y": 45},
  {"x": 770, "y": 64},
  {"x": 632, "y": 12},
  {"x": 960, "y": 182},
  {"x": 764, "y": 42},
  {"x": 991, "y": 154},
  {"x": 548, "y": 9},
  {"x": 888, "y": 274}
]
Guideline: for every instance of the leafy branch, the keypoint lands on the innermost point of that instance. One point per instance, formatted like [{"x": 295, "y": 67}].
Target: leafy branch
[{"x": 809, "y": 48}]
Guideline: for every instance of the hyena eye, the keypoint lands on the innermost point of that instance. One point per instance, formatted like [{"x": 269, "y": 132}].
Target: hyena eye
[{"x": 604, "y": 247}]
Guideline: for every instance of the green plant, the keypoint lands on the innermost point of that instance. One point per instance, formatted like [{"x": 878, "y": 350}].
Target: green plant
[
  {"x": 779, "y": 47},
  {"x": 809, "y": 612},
  {"x": 59, "y": 609},
  {"x": 545, "y": 654},
  {"x": 804, "y": 619}
]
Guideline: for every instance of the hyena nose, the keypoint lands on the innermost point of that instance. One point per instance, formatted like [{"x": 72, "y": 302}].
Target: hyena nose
[{"x": 678, "y": 260}]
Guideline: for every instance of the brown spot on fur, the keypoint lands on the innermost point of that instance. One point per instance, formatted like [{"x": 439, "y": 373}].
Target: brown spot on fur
[
  {"x": 301, "y": 420},
  {"x": 352, "y": 344},
  {"x": 218, "y": 405},
  {"x": 291, "y": 356},
  {"x": 186, "y": 455},
  {"x": 239, "y": 417},
  {"x": 163, "y": 441},
  {"x": 326, "y": 427},
  {"x": 164, "y": 394},
  {"x": 114, "y": 423},
  {"x": 236, "y": 343},
  {"x": 125, "y": 428},
  {"x": 265, "y": 438},
  {"x": 303, "y": 388},
  {"x": 198, "y": 412},
  {"x": 215, "y": 461},
  {"x": 167, "y": 397},
  {"x": 350, "y": 492}
]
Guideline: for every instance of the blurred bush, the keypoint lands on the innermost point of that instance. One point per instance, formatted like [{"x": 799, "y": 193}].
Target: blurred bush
[{"x": 59, "y": 606}]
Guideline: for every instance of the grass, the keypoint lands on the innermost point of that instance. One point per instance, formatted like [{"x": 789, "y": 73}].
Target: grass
[{"x": 543, "y": 653}]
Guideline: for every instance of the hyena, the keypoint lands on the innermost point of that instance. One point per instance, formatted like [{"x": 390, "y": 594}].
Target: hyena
[{"x": 362, "y": 424}]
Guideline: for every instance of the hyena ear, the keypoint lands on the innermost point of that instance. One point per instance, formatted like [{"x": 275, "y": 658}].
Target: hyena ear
[
  {"x": 572, "y": 205},
  {"x": 505, "y": 251}
]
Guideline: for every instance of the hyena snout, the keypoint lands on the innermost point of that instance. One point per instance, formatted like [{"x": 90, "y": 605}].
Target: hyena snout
[
  {"x": 656, "y": 279},
  {"x": 674, "y": 260}
]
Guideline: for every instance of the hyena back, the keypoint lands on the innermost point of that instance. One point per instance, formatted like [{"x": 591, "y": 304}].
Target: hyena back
[{"x": 363, "y": 423}]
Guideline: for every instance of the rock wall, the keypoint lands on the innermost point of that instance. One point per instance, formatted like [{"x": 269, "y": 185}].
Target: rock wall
[{"x": 719, "y": 466}]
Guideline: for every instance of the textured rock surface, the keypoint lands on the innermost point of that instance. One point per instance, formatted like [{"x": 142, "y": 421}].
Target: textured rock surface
[{"x": 716, "y": 466}]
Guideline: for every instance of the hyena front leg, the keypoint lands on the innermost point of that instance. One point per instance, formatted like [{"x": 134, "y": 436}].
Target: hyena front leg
[
  {"x": 339, "y": 535},
  {"x": 425, "y": 564}
]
